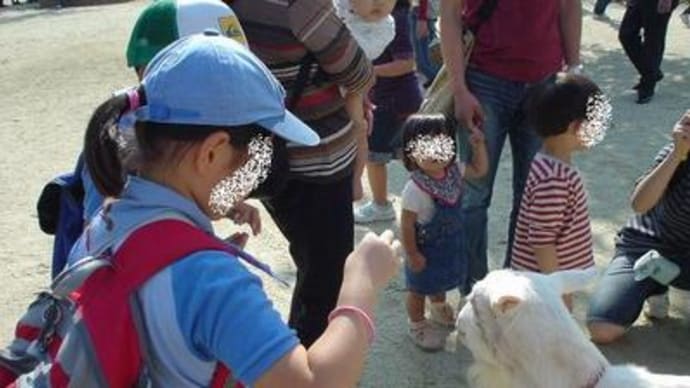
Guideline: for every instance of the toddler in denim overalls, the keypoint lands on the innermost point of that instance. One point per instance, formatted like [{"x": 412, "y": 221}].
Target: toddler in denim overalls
[{"x": 432, "y": 222}]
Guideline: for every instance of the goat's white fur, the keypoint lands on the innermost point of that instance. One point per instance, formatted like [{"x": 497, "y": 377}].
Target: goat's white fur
[{"x": 522, "y": 336}]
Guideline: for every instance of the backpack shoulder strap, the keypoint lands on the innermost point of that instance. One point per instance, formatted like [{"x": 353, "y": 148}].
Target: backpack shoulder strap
[
  {"x": 161, "y": 243},
  {"x": 146, "y": 251}
]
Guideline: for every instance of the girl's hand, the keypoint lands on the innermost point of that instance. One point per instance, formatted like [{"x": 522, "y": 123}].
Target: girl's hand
[
  {"x": 244, "y": 213},
  {"x": 376, "y": 258},
  {"x": 681, "y": 136},
  {"x": 416, "y": 262}
]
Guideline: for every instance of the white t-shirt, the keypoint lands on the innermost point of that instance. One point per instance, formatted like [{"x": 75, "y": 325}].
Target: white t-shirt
[{"x": 417, "y": 201}]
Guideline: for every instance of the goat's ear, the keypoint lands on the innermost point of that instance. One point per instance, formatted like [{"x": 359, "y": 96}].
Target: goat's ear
[
  {"x": 569, "y": 281},
  {"x": 505, "y": 304}
]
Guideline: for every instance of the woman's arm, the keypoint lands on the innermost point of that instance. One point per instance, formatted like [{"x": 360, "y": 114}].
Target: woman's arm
[
  {"x": 652, "y": 186},
  {"x": 316, "y": 24}
]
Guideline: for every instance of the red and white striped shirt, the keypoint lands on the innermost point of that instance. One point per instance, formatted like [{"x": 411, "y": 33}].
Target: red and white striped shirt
[{"x": 553, "y": 211}]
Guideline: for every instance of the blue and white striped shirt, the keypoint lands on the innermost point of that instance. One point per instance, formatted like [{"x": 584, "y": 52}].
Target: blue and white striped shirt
[{"x": 665, "y": 227}]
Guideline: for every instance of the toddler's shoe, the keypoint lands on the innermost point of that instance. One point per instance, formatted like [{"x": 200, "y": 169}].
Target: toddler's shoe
[
  {"x": 442, "y": 314},
  {"x": 656, "y": 306},
  {"x": 372, "y": 212},
  {"x": 426, "y": 337}
]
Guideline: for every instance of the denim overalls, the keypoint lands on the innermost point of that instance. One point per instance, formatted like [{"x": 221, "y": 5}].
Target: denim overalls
[{"x": 441, "y": 239}]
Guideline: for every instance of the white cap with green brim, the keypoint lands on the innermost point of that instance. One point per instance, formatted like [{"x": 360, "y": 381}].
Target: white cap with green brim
[{"x": 164, "y": 21}]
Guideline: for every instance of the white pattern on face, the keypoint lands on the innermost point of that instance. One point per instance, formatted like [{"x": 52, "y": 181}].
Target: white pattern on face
[
  {"x": 237, "y": 186},
  {"x": 594, "y": 128},
  {"x": 427, "y": 148}
]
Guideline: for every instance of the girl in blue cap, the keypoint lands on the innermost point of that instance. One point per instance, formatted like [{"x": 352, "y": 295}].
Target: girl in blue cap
[{"x": 205, "y": 109}]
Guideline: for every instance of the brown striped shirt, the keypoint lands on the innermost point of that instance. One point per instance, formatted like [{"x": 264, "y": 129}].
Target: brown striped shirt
[
  {"x": 282, "y": 33},
  {"x": 553, "y": 211}
]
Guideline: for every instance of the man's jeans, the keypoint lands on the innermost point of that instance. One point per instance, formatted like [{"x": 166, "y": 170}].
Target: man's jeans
[
  {"x": 421, "y": 46},
  {"x": 503, "y": 104}
]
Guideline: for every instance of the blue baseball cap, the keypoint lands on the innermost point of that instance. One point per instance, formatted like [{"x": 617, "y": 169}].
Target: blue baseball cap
[{"x": 208, "y": 79}]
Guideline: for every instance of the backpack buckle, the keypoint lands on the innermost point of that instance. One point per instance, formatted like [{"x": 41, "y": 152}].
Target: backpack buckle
[{"x": 52, "y": 316}]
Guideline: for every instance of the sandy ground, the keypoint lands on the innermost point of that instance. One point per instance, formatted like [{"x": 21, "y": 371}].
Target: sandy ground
[{"x": 57, "y": 65}]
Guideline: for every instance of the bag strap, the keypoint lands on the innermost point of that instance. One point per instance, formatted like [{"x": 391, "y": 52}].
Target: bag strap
[
  {"x": 485, "y": 11},
  {"x": 303, "y": 79},
  {"x": 161, "y": 243}
]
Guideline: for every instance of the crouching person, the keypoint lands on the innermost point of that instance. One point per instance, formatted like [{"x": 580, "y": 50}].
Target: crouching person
[{"x": 661, "y": 199}]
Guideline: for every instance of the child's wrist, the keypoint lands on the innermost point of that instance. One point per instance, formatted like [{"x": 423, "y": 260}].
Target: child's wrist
[{"x": 360, "y": 314}]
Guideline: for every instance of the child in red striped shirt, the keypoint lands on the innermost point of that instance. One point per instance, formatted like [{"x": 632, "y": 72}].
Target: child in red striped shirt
[{"x": 553, "y": 228}]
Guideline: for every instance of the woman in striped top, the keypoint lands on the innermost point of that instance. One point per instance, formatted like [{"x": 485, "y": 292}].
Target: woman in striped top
[
  {"x": 661, "y": 200},
  {"x": 553, "y": 229},
  {"x": 314, "y": 209}
]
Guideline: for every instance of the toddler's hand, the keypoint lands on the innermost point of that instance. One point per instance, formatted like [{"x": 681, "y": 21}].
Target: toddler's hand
[
  {"x": 375, "y": 257},
  {"x": 416, "y": 262}
]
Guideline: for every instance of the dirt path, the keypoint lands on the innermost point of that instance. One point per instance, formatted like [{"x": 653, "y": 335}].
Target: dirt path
[{"x": 56, "y": 65}]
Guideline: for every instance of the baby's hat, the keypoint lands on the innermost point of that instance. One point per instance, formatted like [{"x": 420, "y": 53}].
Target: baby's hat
[{"x": 165, "y": 21}]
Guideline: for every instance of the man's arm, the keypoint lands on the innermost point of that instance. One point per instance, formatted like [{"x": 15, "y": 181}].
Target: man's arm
[
  {"x": 571, "y": 31},
  {"x": 452, "y": 45},
  {"x": 468, "y": 111}
]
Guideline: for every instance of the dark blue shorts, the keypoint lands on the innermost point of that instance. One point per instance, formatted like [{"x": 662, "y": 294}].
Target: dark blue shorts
[
  {"x": 385, "y": 141},
  {"x": 618, "y": 298}
]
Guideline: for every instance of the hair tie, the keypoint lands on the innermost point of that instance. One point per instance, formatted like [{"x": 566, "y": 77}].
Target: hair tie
[{"x": 133, "y": 98}]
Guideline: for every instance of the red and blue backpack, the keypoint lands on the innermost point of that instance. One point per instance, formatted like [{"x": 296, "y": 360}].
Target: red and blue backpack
[{"x": 87, "y": 331}]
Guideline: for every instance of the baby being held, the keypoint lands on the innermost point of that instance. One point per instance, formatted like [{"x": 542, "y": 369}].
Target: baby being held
[{"x": 370, "y": 22}]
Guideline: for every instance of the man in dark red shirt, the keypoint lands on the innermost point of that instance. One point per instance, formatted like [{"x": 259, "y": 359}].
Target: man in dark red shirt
[{"x": 521, "y": 43}]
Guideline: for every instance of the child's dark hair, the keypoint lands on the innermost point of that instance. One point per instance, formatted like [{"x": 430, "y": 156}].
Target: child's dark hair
[
  {"x": 552, "y": 107},
  {"x": 425, "y": 124},
  {"x": 155, "y": 142}
]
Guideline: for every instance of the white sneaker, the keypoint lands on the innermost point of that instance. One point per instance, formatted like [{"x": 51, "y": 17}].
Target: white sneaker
[
  {"x": 680, "y": 300},
  {"x": 372, "y": 212},
  {"x": 442, "y": 314},
  {"x": 656, "y": 306},
  {"x": 425, "y": 336}
]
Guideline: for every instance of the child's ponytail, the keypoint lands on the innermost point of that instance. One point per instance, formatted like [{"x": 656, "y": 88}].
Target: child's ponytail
[{"x": 101, "y": 148}]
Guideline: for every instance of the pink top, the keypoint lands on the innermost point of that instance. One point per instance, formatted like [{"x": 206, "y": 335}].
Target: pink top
[{"x": 553, "y": 211}]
